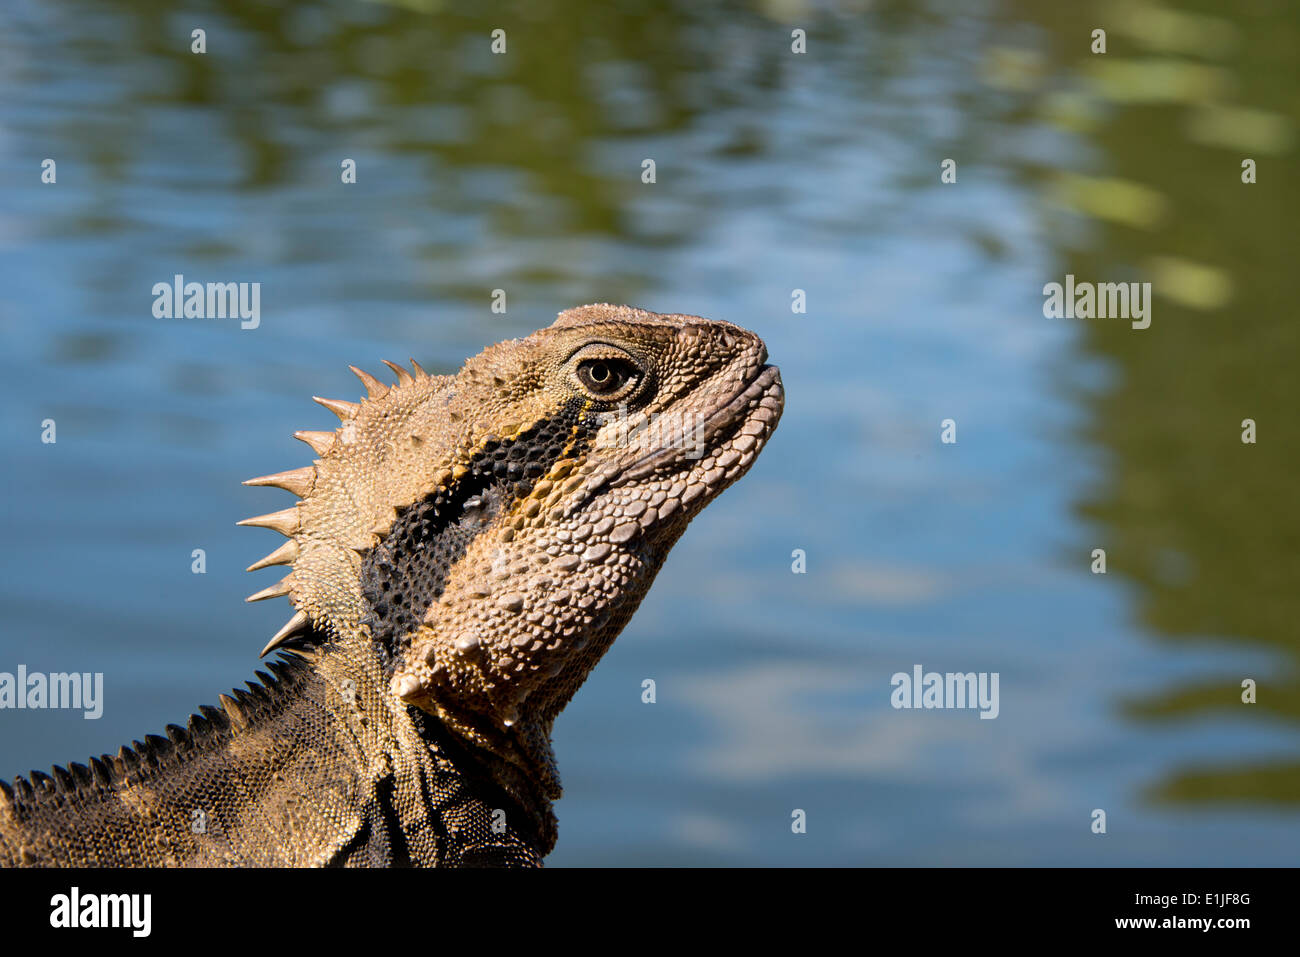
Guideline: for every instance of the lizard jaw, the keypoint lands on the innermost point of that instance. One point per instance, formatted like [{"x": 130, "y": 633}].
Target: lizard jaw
[{"x": 763, "y": 396}]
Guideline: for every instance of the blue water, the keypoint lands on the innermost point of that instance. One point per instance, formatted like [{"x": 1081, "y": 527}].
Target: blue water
[{"x": 774, "y": 173}]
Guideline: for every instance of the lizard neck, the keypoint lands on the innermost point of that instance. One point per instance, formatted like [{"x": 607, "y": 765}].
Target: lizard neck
[{"x": 513, "y": 791}]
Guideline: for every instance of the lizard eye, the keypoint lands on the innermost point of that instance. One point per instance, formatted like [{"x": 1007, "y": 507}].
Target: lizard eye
[{"x": 605, "y": 376}]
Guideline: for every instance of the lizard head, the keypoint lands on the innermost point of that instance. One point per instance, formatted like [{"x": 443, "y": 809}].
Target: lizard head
[{"x": 490, "y": 533}]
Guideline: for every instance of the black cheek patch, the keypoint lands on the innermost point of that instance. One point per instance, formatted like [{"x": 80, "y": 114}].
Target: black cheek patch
[{"x": 407, "y": 572}]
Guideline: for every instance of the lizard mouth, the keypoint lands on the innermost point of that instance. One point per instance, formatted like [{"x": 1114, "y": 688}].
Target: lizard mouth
[{"x": 761, "y": 401}]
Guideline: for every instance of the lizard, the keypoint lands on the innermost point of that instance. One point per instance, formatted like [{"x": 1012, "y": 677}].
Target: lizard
[{"x": 462, "y": 551}]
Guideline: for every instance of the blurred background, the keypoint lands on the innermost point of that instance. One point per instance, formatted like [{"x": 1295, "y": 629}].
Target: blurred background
[{"x": 775, "y": 172}]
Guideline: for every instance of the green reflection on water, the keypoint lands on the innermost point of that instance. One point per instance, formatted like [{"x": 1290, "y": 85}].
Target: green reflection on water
[{"x": 1204, "y": 526}]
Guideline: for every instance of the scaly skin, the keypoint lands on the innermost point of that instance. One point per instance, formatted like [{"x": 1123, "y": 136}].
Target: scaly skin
[{"x": 465, "y": 550}]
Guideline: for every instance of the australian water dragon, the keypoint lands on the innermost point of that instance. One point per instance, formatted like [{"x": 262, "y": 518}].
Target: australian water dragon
[{"x": 462, "y": 552}]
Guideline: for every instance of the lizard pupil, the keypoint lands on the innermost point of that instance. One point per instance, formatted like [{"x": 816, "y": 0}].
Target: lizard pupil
[{"x": 603, "y": 376}]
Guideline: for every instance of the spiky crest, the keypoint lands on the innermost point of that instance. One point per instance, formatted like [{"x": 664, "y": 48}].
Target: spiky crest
[{"x": 372, "y": 465}]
